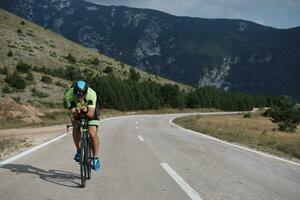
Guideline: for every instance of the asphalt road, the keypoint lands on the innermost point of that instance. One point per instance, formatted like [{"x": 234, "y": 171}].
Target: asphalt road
[{"x": 145, "y": 157}]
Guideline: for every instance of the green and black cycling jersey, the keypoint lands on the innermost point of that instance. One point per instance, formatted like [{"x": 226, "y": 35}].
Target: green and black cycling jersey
[{"x": 90, "y": 100}]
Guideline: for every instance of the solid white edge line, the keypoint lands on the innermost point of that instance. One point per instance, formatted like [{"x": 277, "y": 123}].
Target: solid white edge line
[
  {"x": 231, "y": 144},
  {"x": 141, "y": 138},
  {"x": 103, "y": 120},
  {"x": 30, "y": 150},
  {"x": 20, "y": 155},
  {"x": 184, "y": 185}
]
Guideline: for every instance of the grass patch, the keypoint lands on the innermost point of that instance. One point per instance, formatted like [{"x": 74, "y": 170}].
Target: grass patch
[
  {"x": 39, "y": 94},
  {"x": 12, "y": 123},
  {"x": 256, "y": 132},
  {"x": 54, "y": 118}
]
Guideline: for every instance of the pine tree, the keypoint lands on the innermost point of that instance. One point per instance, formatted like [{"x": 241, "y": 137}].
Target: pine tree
[{"x": 286, "y": 114}]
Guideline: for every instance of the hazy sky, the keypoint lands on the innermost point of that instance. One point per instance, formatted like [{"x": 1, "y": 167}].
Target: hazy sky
[{"x": 275, "y": 13}]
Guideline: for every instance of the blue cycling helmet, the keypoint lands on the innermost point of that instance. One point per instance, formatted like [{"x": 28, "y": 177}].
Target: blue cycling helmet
[{"x": 80, "y": 88}]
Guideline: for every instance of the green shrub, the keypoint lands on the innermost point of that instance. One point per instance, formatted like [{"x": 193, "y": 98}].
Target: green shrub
[
  {"x": 29, "y": 76},
  {"x": 19, "y": 31},
  {"x": 108, "y": 70},
  {"x": 7, "y": 90},
  {"x": 23, "y": 67},
  {"x": 70, "y": 58},
  {"x": 10, "y": 53},
  {"x": 22, "y": 22},
  {"x": 16, "y": 81},
  {"x": 61, "y": 84},
  {"x": 4, "y": 70},
  {"x": 17, "y": 99},
  {"x": 46, "y": 79},
  {"x": 247, "y": 115},
  {"x": 267, "y": 113},
  {"x": 95, "y": 61},
  {"x": 39, "y": 94},
  {"x": 135, "y": 76}
]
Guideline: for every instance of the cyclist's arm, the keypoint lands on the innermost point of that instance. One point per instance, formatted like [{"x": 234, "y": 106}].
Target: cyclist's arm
[
  {"x": 74, "y": 111},
  {"x": 71, "y": 104},
  {"x": 90, "y": 113},
  {"x": 91, "y": 108}
]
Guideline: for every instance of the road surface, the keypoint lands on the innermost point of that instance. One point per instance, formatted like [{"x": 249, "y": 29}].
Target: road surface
[{"x": 145, "y": 157}]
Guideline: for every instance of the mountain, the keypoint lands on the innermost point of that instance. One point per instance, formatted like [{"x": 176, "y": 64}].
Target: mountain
[
  {"x": 47, "y": 63},
  {"x": 234, "y": 55}
]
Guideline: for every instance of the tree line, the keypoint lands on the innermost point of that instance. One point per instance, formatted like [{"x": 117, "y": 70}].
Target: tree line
[{"x": 135, "y": 94}]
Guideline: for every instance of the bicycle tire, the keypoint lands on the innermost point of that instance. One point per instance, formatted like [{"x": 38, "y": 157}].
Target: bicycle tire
[
  {"x": 83, "y": 164},
  {"x": 89, "y": 158}
]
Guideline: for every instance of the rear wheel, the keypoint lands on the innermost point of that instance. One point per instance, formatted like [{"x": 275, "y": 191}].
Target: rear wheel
[{"x": 83, "y": 164}]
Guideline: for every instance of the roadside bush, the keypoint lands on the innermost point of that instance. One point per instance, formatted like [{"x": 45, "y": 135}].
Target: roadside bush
[
  {"x": 267, "y": 113},
  {"x": 19, "y": 31},
  {"x": 22, "y": 22},
  {"x": 247, "y": 115},
  {"x": 46, "y": 79}
]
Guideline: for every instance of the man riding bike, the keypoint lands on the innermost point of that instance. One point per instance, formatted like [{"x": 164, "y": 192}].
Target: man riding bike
[{"x": 81, "y": 98}]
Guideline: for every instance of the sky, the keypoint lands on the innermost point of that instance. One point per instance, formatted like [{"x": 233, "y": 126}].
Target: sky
[{"x": 276, "y": 13}]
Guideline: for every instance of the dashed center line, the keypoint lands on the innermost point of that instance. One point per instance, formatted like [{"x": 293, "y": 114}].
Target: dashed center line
[
  {"x": 184, "y": 185},
  {"x": 141, "y": 138}
]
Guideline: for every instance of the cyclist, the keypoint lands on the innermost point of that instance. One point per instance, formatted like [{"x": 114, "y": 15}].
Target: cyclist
[{"x": 81, "y": 98}]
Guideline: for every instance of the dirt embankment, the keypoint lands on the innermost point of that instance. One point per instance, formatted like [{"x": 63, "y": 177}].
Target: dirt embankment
[
  {"x": 13, "y": 141},
  {"x": 9, "y": 109}
]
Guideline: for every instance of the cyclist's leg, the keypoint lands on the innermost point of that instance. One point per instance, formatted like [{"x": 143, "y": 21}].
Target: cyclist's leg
[
  {"x": 76, "y": 133},
  {"x": 94, "y": 139}
]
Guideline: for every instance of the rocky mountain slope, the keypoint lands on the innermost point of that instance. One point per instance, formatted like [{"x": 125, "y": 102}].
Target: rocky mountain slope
[
  {"x": 24, "y": 42},
  {"x": 231, "y": 54}
]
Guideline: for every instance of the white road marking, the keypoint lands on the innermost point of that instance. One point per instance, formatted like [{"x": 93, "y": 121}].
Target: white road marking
[
  {"x": 234, "y": 145},
  {"x": 136, "y": 122},
  {"x": 141, "y": 138},
  {"x": 184, "y": 185},
  {"x": 46, "y": 143},
  {"x": 30, "y": 151}
]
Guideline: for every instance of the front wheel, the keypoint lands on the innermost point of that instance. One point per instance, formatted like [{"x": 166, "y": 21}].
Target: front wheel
[
  {"x": 88, "y": 158},
  {"x": 83, "y": 168}
]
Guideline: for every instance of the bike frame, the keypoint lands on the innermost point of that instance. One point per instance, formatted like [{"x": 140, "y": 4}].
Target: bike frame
[{"x": 85, "y": 149}]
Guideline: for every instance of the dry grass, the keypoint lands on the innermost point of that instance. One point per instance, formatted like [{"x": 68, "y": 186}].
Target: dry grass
[
  {"x": 58, "y": 115},
  {"x": 10, "y": 145},
  {"x": 258, "y": 132}
]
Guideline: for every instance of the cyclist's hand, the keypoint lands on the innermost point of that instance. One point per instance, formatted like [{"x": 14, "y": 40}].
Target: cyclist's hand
[
  {"x": 75, "y": 110},
  {"x": 84, "y": 109}
]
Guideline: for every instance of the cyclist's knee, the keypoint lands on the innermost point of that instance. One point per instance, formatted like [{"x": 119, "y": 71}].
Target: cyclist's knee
[{"x": 93, "y": 131}]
